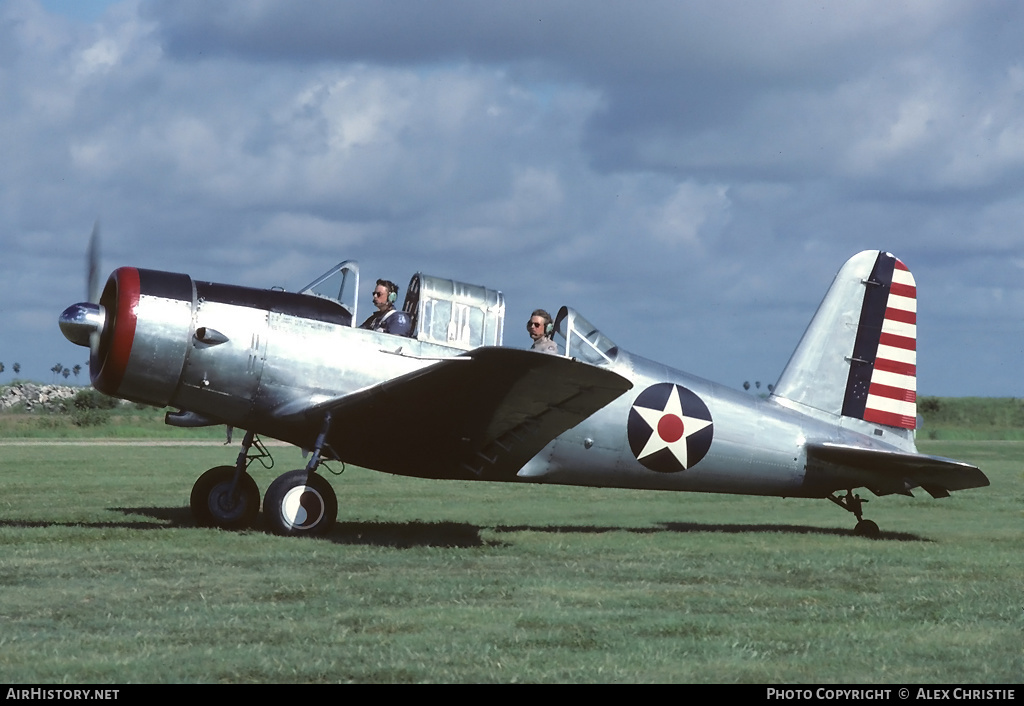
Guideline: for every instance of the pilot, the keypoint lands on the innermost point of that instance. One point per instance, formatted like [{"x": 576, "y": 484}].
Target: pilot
[
  {"x": 388, "y": 319},
  {"x": 540, "y": 328}
]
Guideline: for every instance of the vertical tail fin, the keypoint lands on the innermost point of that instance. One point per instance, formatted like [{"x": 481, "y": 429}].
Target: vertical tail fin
[{"x": 858, "y": 357}]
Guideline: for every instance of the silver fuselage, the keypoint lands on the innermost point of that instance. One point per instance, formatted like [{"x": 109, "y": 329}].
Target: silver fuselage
[{"x": 248, "y": 366}]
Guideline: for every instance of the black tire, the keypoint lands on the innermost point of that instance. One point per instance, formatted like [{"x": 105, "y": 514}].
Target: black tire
[
  {"x": 867, "y": 528},
  {"x": 212, "y": 505},
  {"x": 300, "y": 503}
]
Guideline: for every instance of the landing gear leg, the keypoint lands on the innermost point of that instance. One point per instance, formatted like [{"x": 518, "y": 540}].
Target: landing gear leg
[
  {"x": 302, "y": 503},
  {"x": 227, "y": 496},
  {"x": 854, "y": 503}
]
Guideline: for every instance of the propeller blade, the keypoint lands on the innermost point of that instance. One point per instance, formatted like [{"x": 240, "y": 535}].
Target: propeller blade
[
  {"x": 91, "y": 320},
  {"x": 92, "y": 265}
]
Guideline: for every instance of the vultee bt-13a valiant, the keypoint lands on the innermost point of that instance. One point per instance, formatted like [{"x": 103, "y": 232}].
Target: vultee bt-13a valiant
[{"x": 456, "y": 404}]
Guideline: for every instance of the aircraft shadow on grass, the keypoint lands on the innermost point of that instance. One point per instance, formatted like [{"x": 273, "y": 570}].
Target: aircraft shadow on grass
[{"x": 415, "y": 533}]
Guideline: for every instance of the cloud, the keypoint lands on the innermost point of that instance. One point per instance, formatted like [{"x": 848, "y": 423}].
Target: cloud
[{"x": 688, "y": 175}]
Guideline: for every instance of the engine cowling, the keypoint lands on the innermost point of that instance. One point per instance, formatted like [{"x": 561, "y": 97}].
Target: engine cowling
[
  {"x": 163, "y": 339},
  {"x": 144, "y": 342}
]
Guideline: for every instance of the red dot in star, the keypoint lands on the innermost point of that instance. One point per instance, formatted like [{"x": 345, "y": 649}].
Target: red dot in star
[{"x": 670, "y": 428}]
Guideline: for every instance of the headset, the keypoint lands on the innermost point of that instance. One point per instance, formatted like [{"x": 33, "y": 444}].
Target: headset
[{"x": 392, "y": 289}]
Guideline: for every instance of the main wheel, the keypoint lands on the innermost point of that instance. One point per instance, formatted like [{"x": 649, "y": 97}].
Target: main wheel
[
  {"x": 867, "y": 528},
  {"x": 212, "y": 502},
  {"x": 300, "y": 503}
]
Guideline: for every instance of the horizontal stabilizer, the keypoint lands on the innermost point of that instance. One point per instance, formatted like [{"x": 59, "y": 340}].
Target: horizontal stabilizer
[{"x": 837, "y": 467}]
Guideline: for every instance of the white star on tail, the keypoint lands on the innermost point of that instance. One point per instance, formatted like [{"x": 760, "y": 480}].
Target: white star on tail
[{"x": 670, "y": 428}]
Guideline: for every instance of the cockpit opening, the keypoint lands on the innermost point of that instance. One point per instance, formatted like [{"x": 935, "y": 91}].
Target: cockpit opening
[
  {"x": 464, "y": 316},
  {"x": 443, "y": 311}
]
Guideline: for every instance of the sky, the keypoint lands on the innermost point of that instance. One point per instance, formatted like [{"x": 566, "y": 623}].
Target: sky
[{"x": 687, "y": 175}]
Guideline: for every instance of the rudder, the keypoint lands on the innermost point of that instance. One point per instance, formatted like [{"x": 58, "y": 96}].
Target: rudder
[{"x": 882, "y": 385}]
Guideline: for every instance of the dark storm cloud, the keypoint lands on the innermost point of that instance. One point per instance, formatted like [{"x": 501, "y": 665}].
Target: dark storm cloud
[{"x": 779, "y": 90}]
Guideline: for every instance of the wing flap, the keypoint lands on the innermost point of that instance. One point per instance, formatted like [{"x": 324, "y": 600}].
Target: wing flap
[
  {"x": 886, "y": 471},
  {"x": 481, "y": 414}
]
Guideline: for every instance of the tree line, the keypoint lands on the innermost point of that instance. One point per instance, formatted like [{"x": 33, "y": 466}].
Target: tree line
[{"x": 58, "y": 369}]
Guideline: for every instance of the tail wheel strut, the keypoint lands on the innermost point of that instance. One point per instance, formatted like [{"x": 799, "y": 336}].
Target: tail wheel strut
[{"x": 855, "y": 504}]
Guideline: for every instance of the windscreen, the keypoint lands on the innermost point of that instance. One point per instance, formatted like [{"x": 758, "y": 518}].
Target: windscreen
[
  {"x": 581, "y": 340},
  {"x": 340, "y": 283}
]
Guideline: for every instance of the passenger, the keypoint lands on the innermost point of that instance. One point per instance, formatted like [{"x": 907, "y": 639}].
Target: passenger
[
  {"x": 388, "y": 319},
  {"x": 540, "y": 329}
]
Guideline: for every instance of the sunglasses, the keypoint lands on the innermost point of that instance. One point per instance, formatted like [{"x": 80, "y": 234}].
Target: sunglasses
[{"x": 533, "y": 324}]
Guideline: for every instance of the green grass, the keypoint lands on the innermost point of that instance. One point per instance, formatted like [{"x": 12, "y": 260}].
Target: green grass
[
  {"x": 104, "y": 578},
  {"x": 971, "y": 418},
  {"x": 129, "y": 422}
]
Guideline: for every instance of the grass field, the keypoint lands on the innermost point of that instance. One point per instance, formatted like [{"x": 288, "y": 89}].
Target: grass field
[{"x": 105, "y": 579}]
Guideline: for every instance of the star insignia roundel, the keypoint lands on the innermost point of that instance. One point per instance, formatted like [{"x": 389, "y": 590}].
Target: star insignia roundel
[{"x": 669, "y": 428}]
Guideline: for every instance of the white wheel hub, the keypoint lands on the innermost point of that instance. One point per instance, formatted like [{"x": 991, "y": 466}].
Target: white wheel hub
[{"x": 302, "y": 507}]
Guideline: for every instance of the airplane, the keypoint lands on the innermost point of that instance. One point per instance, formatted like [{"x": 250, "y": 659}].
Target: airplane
[{"x": 451, "y": 402}]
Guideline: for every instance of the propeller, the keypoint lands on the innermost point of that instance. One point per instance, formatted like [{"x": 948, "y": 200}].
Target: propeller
[
  {"x": 82, "y": 323},
  {"x": 92, "y": 265}
]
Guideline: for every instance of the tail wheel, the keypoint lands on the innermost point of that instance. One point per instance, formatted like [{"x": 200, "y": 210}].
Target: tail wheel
[
  {"x": 215, "y": 505},
  {"x": 300, "y": 503},
  {"x": 867, "y": 528}
]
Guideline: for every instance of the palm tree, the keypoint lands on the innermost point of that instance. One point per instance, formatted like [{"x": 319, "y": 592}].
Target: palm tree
[
  {"x": 17, "y": 368},
  {"x": 56, "y": 371}
]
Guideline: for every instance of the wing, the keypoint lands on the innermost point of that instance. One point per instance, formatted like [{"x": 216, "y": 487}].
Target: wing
[
  {"x": 884, "y": 472},
  {"x": 479, "y": 415}
]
